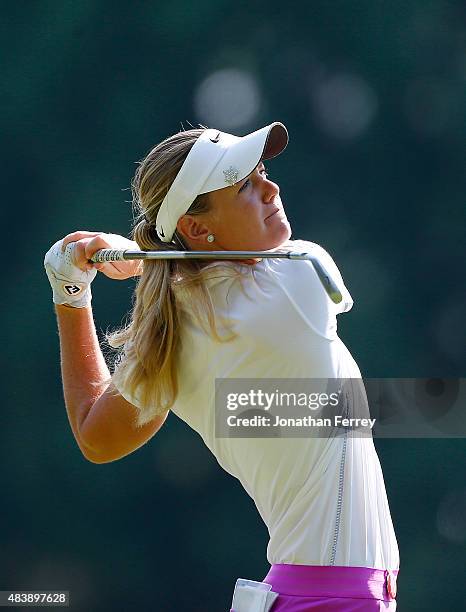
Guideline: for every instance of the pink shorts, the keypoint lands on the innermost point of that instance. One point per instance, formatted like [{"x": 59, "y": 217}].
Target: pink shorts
[{"x": 304, "y": 588}]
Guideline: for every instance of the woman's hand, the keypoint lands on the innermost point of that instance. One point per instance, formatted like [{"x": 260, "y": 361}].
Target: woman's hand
[{"x": 87, "y": 243}]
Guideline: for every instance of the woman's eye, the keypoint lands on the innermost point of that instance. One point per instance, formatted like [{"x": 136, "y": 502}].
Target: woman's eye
[
  {"x": 264, "y": 173},
  {"x": 243, "y": 185}
]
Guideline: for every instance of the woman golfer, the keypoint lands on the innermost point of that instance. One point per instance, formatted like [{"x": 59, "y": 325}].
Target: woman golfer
[{"x": 332, "y": 544}]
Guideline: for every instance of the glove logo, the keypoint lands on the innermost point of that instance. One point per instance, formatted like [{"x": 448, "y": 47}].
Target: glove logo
[{"x": 72, "y": 289}]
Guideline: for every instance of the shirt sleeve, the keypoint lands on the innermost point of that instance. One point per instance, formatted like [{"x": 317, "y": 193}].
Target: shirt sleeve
[{"x": 121, "y": 385}]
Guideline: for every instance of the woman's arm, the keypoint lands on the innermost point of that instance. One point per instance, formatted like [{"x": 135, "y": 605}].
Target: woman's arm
[
  {"x": 102, "y": 421},
  {"x": 84, "y": 371}
]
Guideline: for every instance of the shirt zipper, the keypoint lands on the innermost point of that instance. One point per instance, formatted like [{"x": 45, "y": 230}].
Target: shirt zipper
[{"x": 341, "y": 479}]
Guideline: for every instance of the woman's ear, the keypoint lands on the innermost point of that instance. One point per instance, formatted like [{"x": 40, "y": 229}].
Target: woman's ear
[{"x": 193, "y": 229}]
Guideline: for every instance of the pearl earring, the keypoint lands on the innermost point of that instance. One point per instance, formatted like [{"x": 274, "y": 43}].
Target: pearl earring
[{"x": 210, "y": 238}]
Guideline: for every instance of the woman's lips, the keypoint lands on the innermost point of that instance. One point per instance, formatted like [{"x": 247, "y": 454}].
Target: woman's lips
[{"x": 272, "y": 214}]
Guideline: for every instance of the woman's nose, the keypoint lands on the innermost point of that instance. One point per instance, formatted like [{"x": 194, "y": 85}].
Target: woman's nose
[{"x": 271, "y": 190}]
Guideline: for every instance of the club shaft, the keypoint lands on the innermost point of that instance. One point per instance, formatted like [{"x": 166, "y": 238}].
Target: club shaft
[
  {"x": 117, "y": 255},
  {"x": 106, "y": 255}
]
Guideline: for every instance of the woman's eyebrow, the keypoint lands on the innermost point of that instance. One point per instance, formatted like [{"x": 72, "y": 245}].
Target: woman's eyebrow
[{"x": 259, "y": 166}]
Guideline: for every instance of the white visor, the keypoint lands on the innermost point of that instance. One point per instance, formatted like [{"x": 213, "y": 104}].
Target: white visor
[{"x": 215, "y": 161}]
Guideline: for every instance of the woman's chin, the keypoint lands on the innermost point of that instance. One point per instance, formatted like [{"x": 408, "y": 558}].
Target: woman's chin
[
  {"x": 279, "y": 239},
  {"x": 282, "y": 233}
]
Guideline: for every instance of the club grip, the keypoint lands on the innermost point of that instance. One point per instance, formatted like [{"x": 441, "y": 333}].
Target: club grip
[{"x": 104, "y": 255}]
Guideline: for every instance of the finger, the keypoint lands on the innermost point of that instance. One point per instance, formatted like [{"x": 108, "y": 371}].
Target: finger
[
  {"x": 79, "y": 255},
  {"x": 95, "y": 244},
  {"x": 79, "y": 235}
]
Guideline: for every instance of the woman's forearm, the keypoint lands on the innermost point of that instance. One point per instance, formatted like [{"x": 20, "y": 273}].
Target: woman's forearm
[{"x": 84, "y": 372}]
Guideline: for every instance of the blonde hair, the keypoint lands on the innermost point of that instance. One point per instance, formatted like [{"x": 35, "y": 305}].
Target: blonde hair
[{"x": 149, "y": 345}]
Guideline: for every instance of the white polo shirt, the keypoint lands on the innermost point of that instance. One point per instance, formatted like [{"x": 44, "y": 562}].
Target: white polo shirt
[{"x": 323, "y": 500}]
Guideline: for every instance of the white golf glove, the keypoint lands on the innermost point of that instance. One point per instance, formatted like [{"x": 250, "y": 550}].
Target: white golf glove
[{"x": 70, "y": 285}]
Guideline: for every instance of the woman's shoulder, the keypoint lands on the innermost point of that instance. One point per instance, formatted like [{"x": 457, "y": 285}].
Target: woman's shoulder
[
  {"x": 314, "y": 249},
  {"x": 300, "y": 280},
  {"x": 324, "y": 256}
]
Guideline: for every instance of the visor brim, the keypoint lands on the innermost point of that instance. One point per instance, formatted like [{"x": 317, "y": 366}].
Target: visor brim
[
  {"x": 243, "y": 154},
  {"x": 276, "y": 141}
]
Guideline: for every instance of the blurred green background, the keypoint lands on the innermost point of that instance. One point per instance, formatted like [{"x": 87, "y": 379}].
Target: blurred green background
[{"x": 373, "y": 94}]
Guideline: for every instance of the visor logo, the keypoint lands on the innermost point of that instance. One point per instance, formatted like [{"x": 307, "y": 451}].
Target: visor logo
[{"x": 231, "y": 175}]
